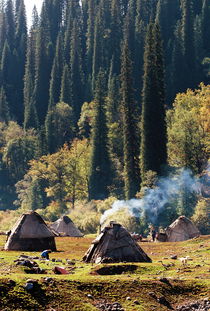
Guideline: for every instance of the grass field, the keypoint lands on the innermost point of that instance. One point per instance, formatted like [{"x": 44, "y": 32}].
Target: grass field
[{"x": 138, "y": 288}]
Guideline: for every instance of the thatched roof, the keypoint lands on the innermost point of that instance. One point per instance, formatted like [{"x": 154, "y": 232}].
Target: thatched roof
[
  {"x": 115, "y": 244},
  {"x": 30, "y": 233},
  {"x": 65, "y": 227},
  {"x": 181, "y": 229}
]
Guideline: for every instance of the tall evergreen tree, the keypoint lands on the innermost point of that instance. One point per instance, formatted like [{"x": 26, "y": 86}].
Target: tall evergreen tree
[
  {"x": 65, "y": 95},
  {"x": 43, "y": 63},
  {"x": 56, "y": 74},
  {"x": 114, "y": 117},
  {"x": 102, "y": 47},
  {"x": 76, "y": 71},
  {"x": 146, "y": 9},
  {"x": 115, "y": 36},
  {"x": 100, "y": 177},
  {"x": 30, "y": 112},
  {"x": 130, "y": 124},
  {"x": 205, "y": 18},
  {"x": 20, "y": 46},
  {"x": 4, "y": 109},
  {"x": 153, "y": 129},
  {"x": 177, "y": 74},
  {"x": 10, "y": 24},
  {"x": 2, "y": 26},
  {"x": 7, "y": 81},
  {"x": 188, "y": 41},
  {"x": 90, "y": 35},
  {"x": 73, "y": 12}
]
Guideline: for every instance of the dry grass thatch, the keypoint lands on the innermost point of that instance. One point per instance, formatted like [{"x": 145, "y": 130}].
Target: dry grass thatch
[{"x": 115, "y": 244}]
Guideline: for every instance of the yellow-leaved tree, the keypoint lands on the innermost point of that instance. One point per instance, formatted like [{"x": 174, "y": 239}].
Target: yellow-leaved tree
[
  {"x": 189, "y": 129},
  {"x": 64, "y": 175}
]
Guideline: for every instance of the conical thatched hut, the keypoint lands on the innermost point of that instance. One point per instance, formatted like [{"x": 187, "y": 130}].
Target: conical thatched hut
[
  {"x": 115, "y": 244},
  {"x": 30, "y": 233},
  {"x": 181, "y": 229},
  {"x": 65, "y": 227}
]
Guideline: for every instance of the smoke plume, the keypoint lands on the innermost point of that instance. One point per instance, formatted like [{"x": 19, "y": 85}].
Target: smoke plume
[{"x": 167, "y": 189}]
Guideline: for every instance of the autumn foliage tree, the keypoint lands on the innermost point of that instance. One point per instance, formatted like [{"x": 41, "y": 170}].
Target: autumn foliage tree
[{"x": 189, "y": 128}]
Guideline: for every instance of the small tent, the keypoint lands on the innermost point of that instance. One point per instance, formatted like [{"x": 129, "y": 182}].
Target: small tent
[
  {"x": 181, "y": 229},
  {"x": 65, "y": 227},
  {"x": 30, "y": 233},
  {"x": 115, "y": 244}
]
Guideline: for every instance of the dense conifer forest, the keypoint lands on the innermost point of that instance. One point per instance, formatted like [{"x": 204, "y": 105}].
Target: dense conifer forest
[{"x": 98, "y": 99}]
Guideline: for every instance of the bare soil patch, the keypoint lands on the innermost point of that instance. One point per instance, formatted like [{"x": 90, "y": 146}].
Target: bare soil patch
[{"x": 115, "y": 269}]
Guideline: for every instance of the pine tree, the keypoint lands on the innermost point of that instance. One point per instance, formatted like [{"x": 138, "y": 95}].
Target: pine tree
[
  {"x": 58, "y": 126},
  {"x": 176, "y": 64},
  {"x": 205, "y": 17},
  {"x": 20, "y": 46},
  {"x": 7, "y": 63},
  {"x": 55, "y": 13},
  {"x": 4, "y": 109},
  {"x": 30, "y": 112},
  {"x": 65, "y": 95},
  {"x": 73, "y": 12},
  {"x": 130, "y": 139},
  {"x": 76, "y": 72},
  {"x": 187, "y": 32},
  {"x": 153, "y": 130},
  {"x": 166, "y": 16},
  {"x": 114, "y": 118},
  {"x": 100, "y": 165},
  {"x": 102, "y": 44},
  {"x": 56, "y": 74},
  {"x": 10, "y": 24},
  {"x": 115, "y": 36},
  {"x": 43, "y": 63},
  {"x": 2, "y": 27},
  {"x": 90, "y": 35},
  {"x": 9, "y": 59},
  {"x": 146, "y": 10}
]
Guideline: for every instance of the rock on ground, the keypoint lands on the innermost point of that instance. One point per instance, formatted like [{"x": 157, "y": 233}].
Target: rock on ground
[{"x": 199, "y": 305}]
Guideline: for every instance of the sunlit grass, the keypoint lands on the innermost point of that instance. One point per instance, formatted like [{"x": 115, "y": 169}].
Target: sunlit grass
[{"x": 191, "y": 280}]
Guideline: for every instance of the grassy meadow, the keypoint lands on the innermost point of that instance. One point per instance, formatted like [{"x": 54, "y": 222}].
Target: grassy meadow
[{"x": 136, "y": 286}]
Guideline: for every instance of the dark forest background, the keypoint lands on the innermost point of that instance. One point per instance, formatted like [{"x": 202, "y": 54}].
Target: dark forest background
[{"x": 88, "y": 99}]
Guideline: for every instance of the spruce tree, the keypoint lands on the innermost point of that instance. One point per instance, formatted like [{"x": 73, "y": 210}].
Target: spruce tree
[
  {"x": 20, "y": 46},
  {"x": 43, "y": 63},
  {"x": 177, "y": 60},
  {"x": 73, "y": 12},
  {"x": 114, "y": 117},
  {"x": 4, "y": 109},
  {"x": 9, "y": 59},
  {"x": 115, "y": 36},
  {"x": 76, "y": 71},
  {"x": 56, "y": 75},
  {"x": 100, "y": 177},
  {"x": 102, "y": 43},
  {"x": 30, "y": 112},
  {"x": 205, "y": 18},
  {"x": 90, "y": 35},
  {"x": 188, "y": 41},
  {"x": 153, "y": 129},
  {"x": 7, "y": 81},
  {"x": 2, "y": 27},
  {"x": 130, "y": 124},
  {"x": 65, "y": 94},
  {"x": 10, "y": 24}
]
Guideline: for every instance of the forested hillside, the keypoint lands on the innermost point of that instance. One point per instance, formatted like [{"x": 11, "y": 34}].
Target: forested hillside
[{"x": 99, "y": 98}]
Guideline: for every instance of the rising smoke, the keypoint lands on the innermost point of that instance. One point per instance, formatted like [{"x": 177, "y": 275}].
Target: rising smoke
[{"x": 167, "y": 189}]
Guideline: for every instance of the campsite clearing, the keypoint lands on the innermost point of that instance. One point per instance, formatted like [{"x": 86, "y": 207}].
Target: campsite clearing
[{"x": 159, "y": 285}]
